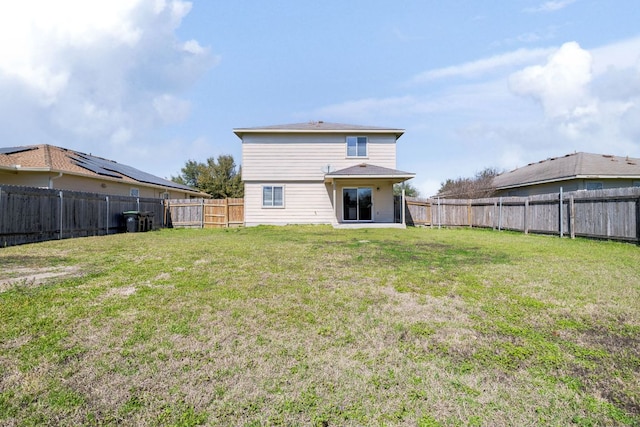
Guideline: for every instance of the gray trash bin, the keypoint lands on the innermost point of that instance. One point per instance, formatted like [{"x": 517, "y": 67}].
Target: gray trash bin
[{"x": 134, "y": 221}]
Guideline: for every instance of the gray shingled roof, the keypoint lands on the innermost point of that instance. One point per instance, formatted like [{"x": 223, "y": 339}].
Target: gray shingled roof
[
  {"x": 319, "y": 126},
  {"x": 571, "y": 166},
  {"x": 367, "y": 170}
]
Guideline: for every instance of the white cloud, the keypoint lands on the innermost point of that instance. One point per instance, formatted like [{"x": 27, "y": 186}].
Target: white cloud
[
  {"x": 483, "y": 66},
  {"x": 561, "y": 85},
  {"x": 549, "y": 103},
  {"x": 550, "y": 6},
  {"x": 171, "y": 109},
  {"x": 88, "y": 73},
  {"x": 590, "y": 100}
]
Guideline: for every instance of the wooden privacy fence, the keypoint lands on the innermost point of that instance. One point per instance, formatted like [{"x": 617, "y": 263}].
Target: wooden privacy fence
[
  {"x": 204, "y": 213},
  {"x": 29, "y": 215},
  {"x": 603, "y": 214}
]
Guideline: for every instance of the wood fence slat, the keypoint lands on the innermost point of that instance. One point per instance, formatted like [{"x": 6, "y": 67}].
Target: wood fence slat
[
  {"x": 604, "y": 214},
  {"x": 30, "y": 215},
  {"x": 205, "y": 213}
]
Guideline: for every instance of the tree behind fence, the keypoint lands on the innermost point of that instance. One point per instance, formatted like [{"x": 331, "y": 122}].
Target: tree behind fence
[
  {"x": 29, "y": 215},
  {"x": 603, "y": 214}
]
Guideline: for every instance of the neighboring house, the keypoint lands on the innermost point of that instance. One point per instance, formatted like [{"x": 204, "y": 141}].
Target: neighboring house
[
  {"x": 577, "y": 171},
  {"x": 320, "y": 173},
  {"x": 47, "y": 166}
]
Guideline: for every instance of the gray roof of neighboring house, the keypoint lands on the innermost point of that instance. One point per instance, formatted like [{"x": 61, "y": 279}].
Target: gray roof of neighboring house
[
  {"x": 570, "y": 166},
  {"x": 318, "y": 127},
  {"x": 366, "y": 170}
]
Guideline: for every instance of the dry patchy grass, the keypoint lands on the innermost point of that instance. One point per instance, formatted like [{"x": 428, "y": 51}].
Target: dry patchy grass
[{"x": 315, "y": 326}]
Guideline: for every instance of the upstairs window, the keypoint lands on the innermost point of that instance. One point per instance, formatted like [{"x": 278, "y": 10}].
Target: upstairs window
[
  {"x": 356, "y": 146},
  {"x": 273, "y": 196},
  {"x": 134, "y": 192}
]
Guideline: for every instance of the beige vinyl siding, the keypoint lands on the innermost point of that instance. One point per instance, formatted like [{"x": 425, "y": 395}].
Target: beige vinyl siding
[
  {"x": 305, "y": 157},
  {"x": 40, "y": 180},
  {"x": 382, "y": 193},
  {"x": 86, "y": 184},
  {"x": 304, "y": 203}
]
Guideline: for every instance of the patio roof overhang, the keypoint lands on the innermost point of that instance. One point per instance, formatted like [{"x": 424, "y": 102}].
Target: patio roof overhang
[{"x": 366, "y": 171}]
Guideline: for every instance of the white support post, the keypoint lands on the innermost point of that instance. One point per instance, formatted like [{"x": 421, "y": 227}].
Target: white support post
[{"x": 335, "y": 202}]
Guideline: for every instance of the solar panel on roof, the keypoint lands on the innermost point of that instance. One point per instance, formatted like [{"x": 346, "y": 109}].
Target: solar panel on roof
[
  {"x": 110, "y": 168},
  {"x": 87, "y": 163},
  {"x": 14, "y": 150}
]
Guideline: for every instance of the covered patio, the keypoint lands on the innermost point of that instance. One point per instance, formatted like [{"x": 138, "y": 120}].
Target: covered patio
[{"x": 362, "y": 196}]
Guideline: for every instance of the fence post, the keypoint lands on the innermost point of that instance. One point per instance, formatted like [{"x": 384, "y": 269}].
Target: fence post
[
  {"x": 201, "y": 213},
  {"x": 500, "y": 216},
  {"x": 107, "y": 199},
  {"x": 469, "y": 213},
  {"x": 561, "y": 225},
  {"x": 526, "y": 216},
  {"x": 166, "y": 206},
  {"x": 226, "y": 212},
  {"x": 638, "y": 221},
  {"x": 572, "y": 217},
  {"x": 439, "y": 214},
  {"x": 493, "y": 216},
  {"x": 61, "y": 217}
]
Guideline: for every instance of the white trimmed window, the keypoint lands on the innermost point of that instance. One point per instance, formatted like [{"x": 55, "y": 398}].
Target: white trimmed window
[
  {"x": 134, "y": 192},
  {"x": 273, "y": 196},
  {"x": 356, "y": 146}
]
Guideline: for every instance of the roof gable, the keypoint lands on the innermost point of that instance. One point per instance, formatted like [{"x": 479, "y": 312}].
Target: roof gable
[{"x": 570, "y": 166}]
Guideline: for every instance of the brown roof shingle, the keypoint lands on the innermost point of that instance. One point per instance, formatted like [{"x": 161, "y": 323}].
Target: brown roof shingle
[{"x": 46, "y": 157}]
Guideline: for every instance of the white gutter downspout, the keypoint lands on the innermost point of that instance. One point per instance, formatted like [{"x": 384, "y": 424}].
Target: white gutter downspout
[
  {"x": 335, "y": 202},
  {"x": 52, "y": 178}
]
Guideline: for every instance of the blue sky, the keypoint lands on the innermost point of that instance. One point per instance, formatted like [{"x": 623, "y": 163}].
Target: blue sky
[{"x": 153, "y": 84}]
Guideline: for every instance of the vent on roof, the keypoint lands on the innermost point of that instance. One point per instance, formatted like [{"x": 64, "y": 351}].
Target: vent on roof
[
  {"x": 607, "y": 156},
  {"x": 363, "y": 165}
]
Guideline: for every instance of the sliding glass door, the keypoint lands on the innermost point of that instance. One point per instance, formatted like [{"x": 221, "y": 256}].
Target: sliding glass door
[{"x": 357, "y": 204}]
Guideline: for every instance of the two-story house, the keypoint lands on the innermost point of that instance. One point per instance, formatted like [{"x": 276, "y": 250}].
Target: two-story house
[{"x": 320, "y": 173}]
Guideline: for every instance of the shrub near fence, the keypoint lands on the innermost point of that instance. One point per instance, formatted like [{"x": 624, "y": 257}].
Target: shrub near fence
[
  {"x": 603, "y": 214},
  {"x": 29, "y": 215}
]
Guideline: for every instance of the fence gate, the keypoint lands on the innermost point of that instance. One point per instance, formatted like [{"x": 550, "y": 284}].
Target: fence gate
[{"x": 204, "y": 213}]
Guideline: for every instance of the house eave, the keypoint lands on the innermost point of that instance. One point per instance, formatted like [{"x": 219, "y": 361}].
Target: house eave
[
  {"x": 397, "y": 132},
  {"x": 20, "y": 169},
  {"x": 397, "y": 178},
  {"x": 563, "y": 179}
]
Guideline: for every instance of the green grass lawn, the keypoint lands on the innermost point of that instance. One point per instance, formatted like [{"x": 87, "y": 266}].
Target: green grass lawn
[{"x": 316, "y": 326}]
